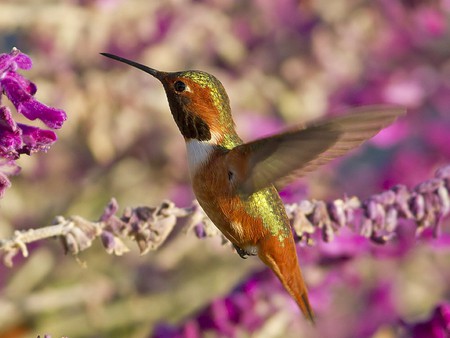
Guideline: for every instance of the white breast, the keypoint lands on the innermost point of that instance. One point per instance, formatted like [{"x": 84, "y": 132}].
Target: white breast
[{"x": 198, "y": 153}]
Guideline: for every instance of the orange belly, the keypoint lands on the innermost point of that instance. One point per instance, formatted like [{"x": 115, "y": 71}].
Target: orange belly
[{"x": 227, "y": 210}]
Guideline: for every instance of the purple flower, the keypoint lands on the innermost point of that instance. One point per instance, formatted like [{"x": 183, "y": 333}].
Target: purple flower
[
  {"x": 17, "y": 138},
  {"x": 226, "y": 316},
  {"x": 437, "y": 326}
]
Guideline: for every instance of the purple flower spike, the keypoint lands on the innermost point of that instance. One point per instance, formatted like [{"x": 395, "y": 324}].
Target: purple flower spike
[{"x": 15, "y": 138}]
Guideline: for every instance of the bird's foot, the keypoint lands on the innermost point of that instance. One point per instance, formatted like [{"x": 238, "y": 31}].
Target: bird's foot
[{"x": 244, "y": 253}]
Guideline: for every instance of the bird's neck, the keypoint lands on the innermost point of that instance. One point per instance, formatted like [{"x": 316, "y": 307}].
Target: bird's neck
[{"x": 200, "y": 152}]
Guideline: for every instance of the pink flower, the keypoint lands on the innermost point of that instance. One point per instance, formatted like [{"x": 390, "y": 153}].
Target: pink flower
[{"x": 17, "y": 138}]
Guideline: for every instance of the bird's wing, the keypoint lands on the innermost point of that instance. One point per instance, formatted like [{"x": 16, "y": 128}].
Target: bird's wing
[{"x": 281, "y": 158}]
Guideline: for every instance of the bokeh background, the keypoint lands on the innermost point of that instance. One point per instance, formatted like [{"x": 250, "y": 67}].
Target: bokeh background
[{"x": 282, "y": 62}]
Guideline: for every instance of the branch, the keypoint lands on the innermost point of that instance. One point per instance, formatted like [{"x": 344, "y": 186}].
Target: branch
[{"x": 376, "y": 219}]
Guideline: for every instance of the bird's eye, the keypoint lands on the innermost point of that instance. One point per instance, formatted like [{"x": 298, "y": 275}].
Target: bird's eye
[{"x": 179, "y": 86}]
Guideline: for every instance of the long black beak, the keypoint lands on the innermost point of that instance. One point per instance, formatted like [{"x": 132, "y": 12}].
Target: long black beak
[{"x": 146, "y": 69}]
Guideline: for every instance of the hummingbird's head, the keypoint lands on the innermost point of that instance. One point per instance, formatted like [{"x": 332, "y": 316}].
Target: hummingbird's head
[{"x": 197, "y": 100}]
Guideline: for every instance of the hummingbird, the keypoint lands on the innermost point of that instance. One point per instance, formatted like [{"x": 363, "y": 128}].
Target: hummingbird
[{"x": 237, "y": 183}]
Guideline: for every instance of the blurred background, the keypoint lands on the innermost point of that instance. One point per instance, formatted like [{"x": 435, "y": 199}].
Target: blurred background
[{"x": 282, "y": 62}]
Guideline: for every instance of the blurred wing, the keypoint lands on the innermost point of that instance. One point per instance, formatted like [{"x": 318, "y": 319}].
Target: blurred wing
[{"x": 281, "y": 158}]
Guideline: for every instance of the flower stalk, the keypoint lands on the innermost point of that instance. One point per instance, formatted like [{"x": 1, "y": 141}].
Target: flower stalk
[{"x": 376, "y": 219}]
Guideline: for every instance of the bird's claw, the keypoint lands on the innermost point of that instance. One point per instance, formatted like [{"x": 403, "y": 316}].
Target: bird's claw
[{"x": 244, "y": 253}]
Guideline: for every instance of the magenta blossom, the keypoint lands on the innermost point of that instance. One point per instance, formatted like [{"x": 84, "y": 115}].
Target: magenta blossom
[
  {"x": 437, "y": 326},
  {"x": 17, "y": 138}
]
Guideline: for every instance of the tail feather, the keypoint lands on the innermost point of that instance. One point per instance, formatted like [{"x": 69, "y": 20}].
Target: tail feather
[
  {"x": 296, "y": 287},
  {"x": 288, "y": 272},
  {"x": 306, "y": 307}
]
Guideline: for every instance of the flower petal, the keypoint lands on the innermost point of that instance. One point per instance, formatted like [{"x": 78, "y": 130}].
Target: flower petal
[
  {"x": 30, "y": 107},
  {"x": 36, "y": 139},
  {"x": 26, "y": 84},
  {"x": 6, "y": 119},
  {"x": 4, "y": 184},
  {"x": 10, "y": 143},
  {"x": 52, "y": 117},
  {"x": 23, "y": 61},
  {"x": 5, "y": 62}
]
